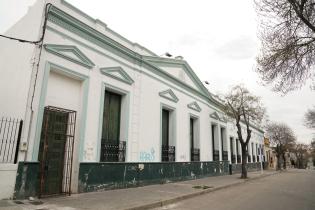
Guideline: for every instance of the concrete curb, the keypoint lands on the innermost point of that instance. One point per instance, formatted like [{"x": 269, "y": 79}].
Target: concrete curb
[{"x": 191, "y": 195}]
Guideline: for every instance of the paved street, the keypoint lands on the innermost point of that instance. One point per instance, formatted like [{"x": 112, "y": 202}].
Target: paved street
[{"x": 293, "y": 190}]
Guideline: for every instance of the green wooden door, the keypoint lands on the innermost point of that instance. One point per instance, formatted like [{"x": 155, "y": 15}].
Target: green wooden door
[
  {"x": 52, "y": 151},
  {"x": 111, "y": 126}
]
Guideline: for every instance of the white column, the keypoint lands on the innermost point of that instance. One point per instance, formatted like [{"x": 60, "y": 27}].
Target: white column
[
  {"x": 220, "y": 143},
  {"x": 250, "y": 151},
  {"x": 255, "y": 150},
  {"x": 234, "y": 149},
  {"x": 229, "y": 148}
]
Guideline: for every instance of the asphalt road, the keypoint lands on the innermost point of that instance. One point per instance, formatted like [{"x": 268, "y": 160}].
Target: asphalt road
[{"x": 292, "y": 190}]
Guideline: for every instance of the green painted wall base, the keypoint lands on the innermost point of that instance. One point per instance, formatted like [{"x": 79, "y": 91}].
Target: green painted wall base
[
  {"x": 104, "y": 176},
  {"x": 26, "y": 184},
  {"x": 237, "y": 168}
]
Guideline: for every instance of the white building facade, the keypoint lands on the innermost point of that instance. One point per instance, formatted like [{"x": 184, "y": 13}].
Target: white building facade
[{"x": 91, "y": 97}]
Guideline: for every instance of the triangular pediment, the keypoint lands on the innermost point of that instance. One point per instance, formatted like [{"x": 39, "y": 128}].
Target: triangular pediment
[
  {"x": 215, "y": 116},
  {"x": 178, "y": 69},
  {"x": 194, "y": 106},
  {"x": 223, "y": 119},
  {"x": 219, "y": 117},
  {"x": 118, "y": 73},
  {"x": 169, "y": 94},
  {"x": 71, "y": 53}
]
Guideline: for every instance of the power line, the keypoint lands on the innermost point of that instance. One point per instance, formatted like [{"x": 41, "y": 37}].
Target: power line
[
  {"x": 21, "y": 40},
  {"x": 43, "y": 32}
]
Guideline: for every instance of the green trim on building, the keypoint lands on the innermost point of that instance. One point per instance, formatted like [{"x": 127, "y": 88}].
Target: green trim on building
[
  {"x": 75, "y": 26},
  {"x": 117, "y": 73},
  {"x": 159, "y": 61},
  {"x": 169, "y": 95},
  {"x": 63, "y": 50},
  {"x": 215, "y": 116},
  {"x": 194, "y": 106},
  {"x": 170, "y": 84}
]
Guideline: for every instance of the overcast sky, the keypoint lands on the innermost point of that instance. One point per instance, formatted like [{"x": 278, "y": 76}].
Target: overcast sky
[{"x": 217, "y": 38}]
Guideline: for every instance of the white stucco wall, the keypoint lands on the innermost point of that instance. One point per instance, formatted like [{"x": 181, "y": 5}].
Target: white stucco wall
[{"x": 7, "y": 180}]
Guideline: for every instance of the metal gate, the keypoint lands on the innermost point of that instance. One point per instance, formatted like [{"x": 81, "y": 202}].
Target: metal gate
[
  {"x": 10, "y": 136},
  {"x": 56, "y": 151}
]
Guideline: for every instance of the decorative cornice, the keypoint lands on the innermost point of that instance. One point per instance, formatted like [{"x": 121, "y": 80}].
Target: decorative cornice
[
  {"x": 71, "y": 24},
  {"x": 65, "y": 51},
  {"x": 194, "y": 106},
  {"x": 118, "y": 73},
  {"x": 181, "y": 63},
  {"x": 169, "y": 94},
  {"x": 88, "y": 33}
]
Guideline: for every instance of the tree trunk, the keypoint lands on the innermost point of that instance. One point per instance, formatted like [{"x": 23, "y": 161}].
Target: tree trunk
[
  {"x": 284, "y": 161},
  {"x": 244, "y": 162},
  {"x": 278, "y": 162}
]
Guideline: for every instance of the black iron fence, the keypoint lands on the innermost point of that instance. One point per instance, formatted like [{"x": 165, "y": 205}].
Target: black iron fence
[
  {"x": 233, "y": 158},
  {"x": 225, "y": 155},
  {"x": 249, "y": 158},
  {"x": 113, "y": 152},
  {"x": 216, "y": 155},
  {"x": 195, "y": 154},
  {"x": 168, "y": 153},
  {"x": 10, "y": 136},
  {"x": 238, "y": 158}
]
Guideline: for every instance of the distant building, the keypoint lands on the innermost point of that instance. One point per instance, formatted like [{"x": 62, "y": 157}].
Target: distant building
[{"x": 271, "y": 157}]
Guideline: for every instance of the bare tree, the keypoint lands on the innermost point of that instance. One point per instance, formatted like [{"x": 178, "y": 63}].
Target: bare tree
[
  {"x": 247, "y": 108},
  {"x": 287, "y": 34},
  {"x": 309, "y": 118},
  {"x": 301, "y": 152},
  {"x": 282, "y": 138}
]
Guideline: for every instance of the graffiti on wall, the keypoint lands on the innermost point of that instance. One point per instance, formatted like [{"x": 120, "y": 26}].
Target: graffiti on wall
[
  {"x": 147, "y": 156},
  {"x": 88, "y": 153}
]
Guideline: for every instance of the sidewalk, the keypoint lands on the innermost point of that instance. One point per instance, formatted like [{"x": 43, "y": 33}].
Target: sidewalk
[{"x": 135, "y": 198}]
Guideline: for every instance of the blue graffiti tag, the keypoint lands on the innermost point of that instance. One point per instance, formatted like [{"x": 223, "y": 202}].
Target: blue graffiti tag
[{"x": 147, "y": 156}]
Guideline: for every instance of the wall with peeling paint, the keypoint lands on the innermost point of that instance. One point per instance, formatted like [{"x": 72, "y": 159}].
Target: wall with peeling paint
[
  {"x": 105, "y": 176},
  {"x": 237, "y": 168},
  {"x": 27, "y": 180}
]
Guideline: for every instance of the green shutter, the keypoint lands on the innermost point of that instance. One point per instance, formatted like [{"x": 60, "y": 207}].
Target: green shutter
[{"x": 111, "y": 118}]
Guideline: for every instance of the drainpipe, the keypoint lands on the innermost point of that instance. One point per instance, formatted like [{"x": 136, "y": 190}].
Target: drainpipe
[{"x": 36, "y": 68}]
